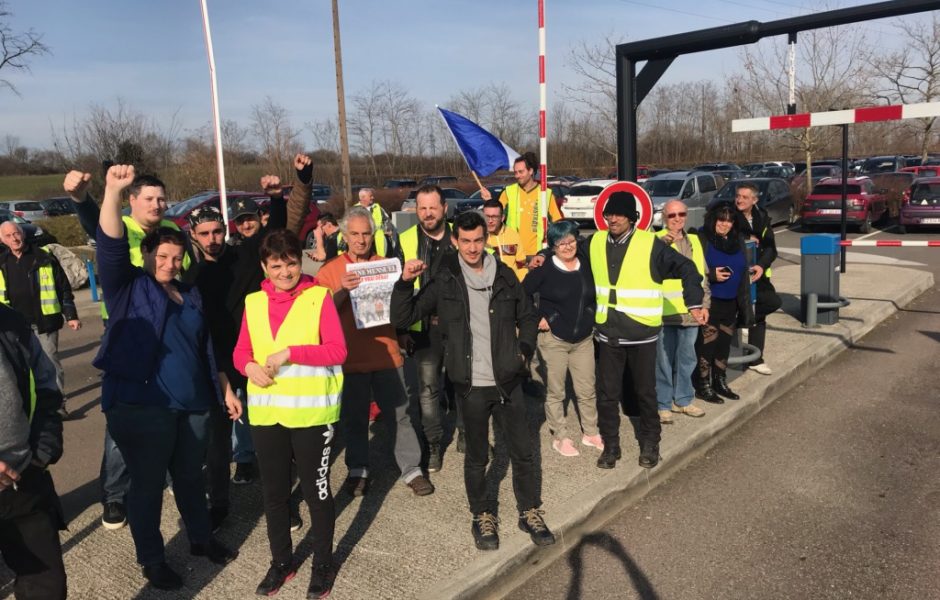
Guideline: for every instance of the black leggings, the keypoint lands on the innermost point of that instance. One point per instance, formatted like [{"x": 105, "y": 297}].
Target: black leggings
[
  {"x": 310, "y": 448},
  {"x": 716, "y": 338}
]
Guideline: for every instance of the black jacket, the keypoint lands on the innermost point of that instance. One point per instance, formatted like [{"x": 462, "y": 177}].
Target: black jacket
[
  {"x": 25, "y": 355},
  {"x": 767, "y": 299},
  {"x": 761, "y": 228},
  {"x": 446, "y": 296},
  {"x": 63, "y": 290}
]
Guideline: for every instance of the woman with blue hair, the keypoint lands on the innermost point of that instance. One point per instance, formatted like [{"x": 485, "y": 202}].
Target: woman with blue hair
[{"x": 563, "y": 290}]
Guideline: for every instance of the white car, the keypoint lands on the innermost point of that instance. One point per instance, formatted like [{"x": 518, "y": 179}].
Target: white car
[
  {"x": 30, "y": 210},
  {"x": 581, "y": 198}
]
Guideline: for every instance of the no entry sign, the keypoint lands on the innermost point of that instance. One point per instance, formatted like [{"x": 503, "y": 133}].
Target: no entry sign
[{"x": 644, "y": 204}]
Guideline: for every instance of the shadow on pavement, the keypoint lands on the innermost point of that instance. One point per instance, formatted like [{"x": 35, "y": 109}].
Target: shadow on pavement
[{"x": 644, "y": 589}]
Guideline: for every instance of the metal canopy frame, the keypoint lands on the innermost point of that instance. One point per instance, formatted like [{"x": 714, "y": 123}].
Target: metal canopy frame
[{"x": 659, "y": 53}]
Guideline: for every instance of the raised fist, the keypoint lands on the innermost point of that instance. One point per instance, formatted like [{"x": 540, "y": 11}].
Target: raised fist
[
  {"x": 302, "y": 161},
  {"x": 119, "y": 177},
  {"x": 76, "y": 183},
  {"x": 271, "y": 184},
  {"x": 412, "y": 269}
]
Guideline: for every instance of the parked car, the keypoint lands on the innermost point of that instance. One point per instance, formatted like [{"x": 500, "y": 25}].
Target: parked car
[
  {"x": 824, "y": 206},
  {"x": 581, "y": 198},
  {"x": 773, "y": 196},
  {"x": 920, "y": 205},
  {"x": 451, "y": 195},
  {"x": 923, "y": 171},
  {"x": 882, "y": 164},
  {"x": 893, "y": 186},
  {"x": 319, "y": 192},
  {"x": 729, "y": 174},
  {"x": 694, "y": 188},
  {"x": 716, "y": 167},
  {"x": 775, "y": 171},
  {"x": 32, "y": 233},
  {"x": 57, "y": 207},
  {"x": 395, "y": 184},
  {"x": 30, "y": 210},
  {"x": 179, "y": 212},
  {"x": 817, "y": 174},
  {"x": 439, "y": 180}
]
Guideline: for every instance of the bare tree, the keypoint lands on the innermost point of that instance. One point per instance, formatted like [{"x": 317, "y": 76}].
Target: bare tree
[
  {"x": 325, "y": 134},
  {"x": 596, "y": 90},
  {"x": 16, "y": 49},
  {"x": 279, "y": 140},
  {"x": 833, "y": 73},
  {"x": 117, "y": 133},
  {"x": 365, "y": 124},
  {"x": 912, "y": 74}
]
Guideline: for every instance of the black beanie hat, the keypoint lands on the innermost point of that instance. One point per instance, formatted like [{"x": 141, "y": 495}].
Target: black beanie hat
[{"x": 622, "y": 203}]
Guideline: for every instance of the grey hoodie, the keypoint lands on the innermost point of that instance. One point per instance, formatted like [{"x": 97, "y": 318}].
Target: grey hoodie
[{"x": 479, "y": 290}]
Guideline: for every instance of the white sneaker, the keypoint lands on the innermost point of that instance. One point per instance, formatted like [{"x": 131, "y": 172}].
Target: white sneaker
[
  {"x": 762, "y": 368},
  {"x": 744, "y": 334}
]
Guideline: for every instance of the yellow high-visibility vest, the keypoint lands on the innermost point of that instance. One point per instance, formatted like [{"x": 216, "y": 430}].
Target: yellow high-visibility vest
[
  {"x": 48, "y": 300},
  {"x": 409, "y": 248},
  {"x": 638, "y": 296},
  {"x": 673, "y": 304},
  {"x": 301, "y": 395},
  {"x": 514, "y": 211}
]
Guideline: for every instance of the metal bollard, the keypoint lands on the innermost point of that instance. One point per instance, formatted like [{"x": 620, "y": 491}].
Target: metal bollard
[
  {"x": 813, "y": 305},
  {"x": 92, "y": 280}
]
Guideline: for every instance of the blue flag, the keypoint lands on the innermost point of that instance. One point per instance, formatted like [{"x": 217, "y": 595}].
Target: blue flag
[{"x": 484, "y": 152}]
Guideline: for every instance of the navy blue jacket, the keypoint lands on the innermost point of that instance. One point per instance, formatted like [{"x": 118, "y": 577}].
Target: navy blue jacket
[{"x": 137, "y": 307}]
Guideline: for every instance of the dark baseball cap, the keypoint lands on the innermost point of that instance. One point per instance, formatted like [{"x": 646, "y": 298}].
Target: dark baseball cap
[{"x": 244, "y": 206}]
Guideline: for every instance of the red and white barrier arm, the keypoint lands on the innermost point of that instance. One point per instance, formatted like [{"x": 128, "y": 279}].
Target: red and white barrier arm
[
  {"x": 866, "y": 114},
  {"x": 893, "y": 243}
]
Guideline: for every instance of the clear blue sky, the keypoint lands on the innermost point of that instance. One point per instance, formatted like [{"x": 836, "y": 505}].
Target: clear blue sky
[{"x": 152, "y": 54}]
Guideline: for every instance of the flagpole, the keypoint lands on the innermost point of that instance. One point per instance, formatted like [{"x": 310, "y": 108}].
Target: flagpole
[
  {"x": 543, "y": 142},
  {"x": 479, "y": 184},
  {"x": 216, "y": 121}
]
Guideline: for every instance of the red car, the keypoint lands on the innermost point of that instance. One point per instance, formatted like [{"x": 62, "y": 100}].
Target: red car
[
  {"x": 920, "y": 205},
  {"x": 824, "y": 206},
  {"x": 179, "y": 213}
]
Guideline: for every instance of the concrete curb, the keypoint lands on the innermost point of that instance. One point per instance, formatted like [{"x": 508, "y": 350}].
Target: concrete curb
[{"x": 495, "y": 574}]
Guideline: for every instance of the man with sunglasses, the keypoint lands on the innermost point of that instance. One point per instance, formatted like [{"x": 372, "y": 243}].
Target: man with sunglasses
[
  {"x": 675, "y": 348},
  {"x": 502, "y": 239}
]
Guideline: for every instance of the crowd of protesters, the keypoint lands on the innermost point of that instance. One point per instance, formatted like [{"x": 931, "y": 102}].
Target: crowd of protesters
[{"x": 220, "y": 351}]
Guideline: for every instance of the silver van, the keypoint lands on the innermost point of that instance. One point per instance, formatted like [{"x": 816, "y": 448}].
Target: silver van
[{"x": 694, "y": 188}]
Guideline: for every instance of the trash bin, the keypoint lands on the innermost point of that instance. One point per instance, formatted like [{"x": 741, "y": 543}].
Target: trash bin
[{"x": 819, "y": 275}]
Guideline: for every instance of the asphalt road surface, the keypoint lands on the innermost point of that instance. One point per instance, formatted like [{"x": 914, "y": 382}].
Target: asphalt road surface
[{"x": 831, "y": 492}]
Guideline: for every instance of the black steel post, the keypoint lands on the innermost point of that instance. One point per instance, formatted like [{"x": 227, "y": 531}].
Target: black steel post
[
  {"x": 845, "y": 188},
  {"x": 626, "y": 125}
]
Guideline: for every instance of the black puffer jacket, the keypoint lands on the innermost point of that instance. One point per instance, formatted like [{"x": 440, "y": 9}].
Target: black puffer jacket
[{"x": 447, "y": 297}]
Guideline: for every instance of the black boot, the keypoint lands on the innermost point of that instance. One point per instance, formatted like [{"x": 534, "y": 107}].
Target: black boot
[
  {"x": 706, "y": 393},
  {"x": 720, "y": 385}
]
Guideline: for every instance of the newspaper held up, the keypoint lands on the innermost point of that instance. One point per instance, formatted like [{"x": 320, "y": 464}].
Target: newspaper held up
[{"x": 372, "y": 300}]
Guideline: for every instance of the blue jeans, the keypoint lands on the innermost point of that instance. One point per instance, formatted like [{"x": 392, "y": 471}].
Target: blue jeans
[
  {"x": 114, "y": 478},
  {"x": 675, "y": 362},
  {"x": 243, "y": 450},
  {"x": 154, "y": 440}
]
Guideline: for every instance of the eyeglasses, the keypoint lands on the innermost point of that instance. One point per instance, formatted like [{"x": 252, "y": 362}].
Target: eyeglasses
[
  {"x": 676, "y": 215},
  {"x": 566, "y": 244},
  {"x": 492, "y": 217}
]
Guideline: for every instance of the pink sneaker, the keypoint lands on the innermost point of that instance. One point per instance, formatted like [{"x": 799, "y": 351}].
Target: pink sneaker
[
  {"x": 595, "y": 441},
  {"x": 565, "y": 447}
]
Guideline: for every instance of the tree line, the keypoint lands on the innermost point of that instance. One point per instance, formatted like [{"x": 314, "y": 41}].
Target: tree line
[{"x": 394, "y": 134}]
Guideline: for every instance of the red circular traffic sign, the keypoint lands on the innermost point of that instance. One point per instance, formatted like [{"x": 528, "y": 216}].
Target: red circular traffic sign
[{"x": 644, "y": 204}]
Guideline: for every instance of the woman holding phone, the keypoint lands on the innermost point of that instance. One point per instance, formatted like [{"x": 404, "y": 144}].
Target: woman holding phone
[{"x": 726, "y": 257}]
